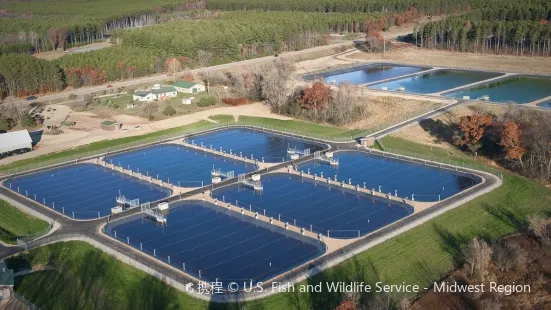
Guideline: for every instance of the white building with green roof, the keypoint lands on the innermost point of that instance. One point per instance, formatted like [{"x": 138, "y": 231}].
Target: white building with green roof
[
  {"x": 189, "y": 87},
  {"x": 156, "y": 93}
]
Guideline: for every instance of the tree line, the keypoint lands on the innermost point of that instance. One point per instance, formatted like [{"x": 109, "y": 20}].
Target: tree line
[
  {"x": 520, "y": 139},
  {"x": 240, "y": 35},
  {"x": 346, "y": 6},
  {"x": 510, "y": 29},
  {"x": 175, "y": 46},
  {"x": 63, "y": 23},
  {"x": 22, "y": 75}
]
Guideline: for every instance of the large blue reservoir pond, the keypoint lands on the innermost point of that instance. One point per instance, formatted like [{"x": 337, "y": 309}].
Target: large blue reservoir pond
[
  {"x": 516, "y": 89},
  {"x": 329, "y": 209},
  {"x": 83, "y": 191},
  {"x": 424, "y": 183},
  {"x": 369, "y": 74},
  {"x": 436, "y": 81},
  {"x": 177, "y": 164},
  {"x": 212, "y": 243},
  {"x": 269, "y": 147}
]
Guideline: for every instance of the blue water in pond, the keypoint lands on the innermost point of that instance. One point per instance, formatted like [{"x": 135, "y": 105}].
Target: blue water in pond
[
  {"x": 222, "y": 244},
  {"x": 177, "y": 164},
  {"x": 546, "y": 104},
  {"x": 393, "y": 176},
  {"x": 344, "y": 213},
  {"x": 371, "y": 74},
  {"x": 518, "y": 90},
  {"x": 261, "y": 145},
  {"x": 88, "y": 190},
  {"x": 436, "y": 81}
]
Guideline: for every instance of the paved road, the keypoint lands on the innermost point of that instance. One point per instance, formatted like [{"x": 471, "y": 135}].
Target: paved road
[
  {"x": 90, "y": 231},
  {"x": 164, "y": 76}
]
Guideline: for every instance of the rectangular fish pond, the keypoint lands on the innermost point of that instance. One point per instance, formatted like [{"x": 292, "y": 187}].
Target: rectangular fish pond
[
  {"x": 389, "y": 175},
  {"x": 518, "y": 89},
  {"x": 83, "y": 191},
  {"x": 177, "y": 164},
  {"x": 366, "y": 74},
  {"x": 326, "y": 209},
  {"x": 435, "y": 81},
  {"x": 210, "y": 242},
  {"x": 261, "y": 145}
]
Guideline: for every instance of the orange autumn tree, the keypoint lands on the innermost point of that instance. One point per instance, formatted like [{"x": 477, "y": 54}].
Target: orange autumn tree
[
  {"x": 188, "y": 76},
  {"x": 472, "y": 129},
  {"x": 346, "y": 305},
  {"x": 511, "y": 140},
  {"x": 315, "y": 97},
  {"x": 173, "y": 65}
]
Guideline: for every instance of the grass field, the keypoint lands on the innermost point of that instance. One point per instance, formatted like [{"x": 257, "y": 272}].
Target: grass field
[
  {"x": 295, "y": 126},
  {"x": 419, "y": 256},
  {"x": 14, "y": 223}
]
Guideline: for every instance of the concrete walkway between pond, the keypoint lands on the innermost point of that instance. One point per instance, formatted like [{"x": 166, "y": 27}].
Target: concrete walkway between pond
[
  {"x": 536, "y": 102},
  {"x": 467, "y": 86},
  {"x": 91, "y": 232}
]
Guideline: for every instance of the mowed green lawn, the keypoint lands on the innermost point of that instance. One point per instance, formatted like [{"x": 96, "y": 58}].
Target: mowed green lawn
[
  {"x": 419, "y": 256},
  {"x": 295, "y": 126},
  {"x": 14, "y": 223}
]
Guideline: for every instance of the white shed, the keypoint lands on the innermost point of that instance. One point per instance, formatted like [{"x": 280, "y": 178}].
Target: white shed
[
  {"x": 16, "y": 140},
  {"x": 189, "y": 87}
]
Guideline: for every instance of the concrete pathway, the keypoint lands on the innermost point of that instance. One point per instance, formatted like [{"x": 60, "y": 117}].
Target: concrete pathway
[{"x": 91, "y": 232}]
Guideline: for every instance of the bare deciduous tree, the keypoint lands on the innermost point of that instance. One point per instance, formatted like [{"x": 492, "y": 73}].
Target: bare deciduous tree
[
  {"x": 405, "y": 305},
  {"x": 478, "y": 255},
  {"x": 84, "y": 103},
  {"x": 204, "y": 58},
  {"x": 12, "y": 111},
  {"x": 149, "y": 109},
  {"x": 344, "y": 105},
  {"x": 538, "y": 226},
  {"x": 491, "y": 303},
  {"x": 275, "y": 88}
]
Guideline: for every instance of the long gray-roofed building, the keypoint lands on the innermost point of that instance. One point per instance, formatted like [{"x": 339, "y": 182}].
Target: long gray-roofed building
[{"x": 16, "y": 140}]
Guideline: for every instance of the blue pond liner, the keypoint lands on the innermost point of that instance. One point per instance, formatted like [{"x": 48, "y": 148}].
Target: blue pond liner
[
  {"x": 270, "y": 147},
  {"x": 84, "y": 190},
  {"x": 436, "y": 81},
  {"x": 330, "y": 209},
  {"x": 221, "y": 244},
  {"x": 394, "y": 176},
  {"x": 177, "y": 164},
  {"x": 518, "y": 89},
  {"x": 369, "y": 73},
  {"x": 546, "y": 104}
]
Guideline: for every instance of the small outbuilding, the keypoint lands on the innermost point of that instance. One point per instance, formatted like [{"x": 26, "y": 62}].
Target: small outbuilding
[
  {"x": 110, "y": 125},
  {"x": 156, "y": 93},
  {"x": 189, "y": 87},
  {"x": 15, "y": 141}
]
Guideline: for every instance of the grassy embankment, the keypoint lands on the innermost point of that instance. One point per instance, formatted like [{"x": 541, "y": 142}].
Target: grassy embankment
[
  {"x": 299, "y": 127},
  {"x": 15, "y": 223},
  {"x": 295, "y": 126},
  {"x": 419, "y": 256}
]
